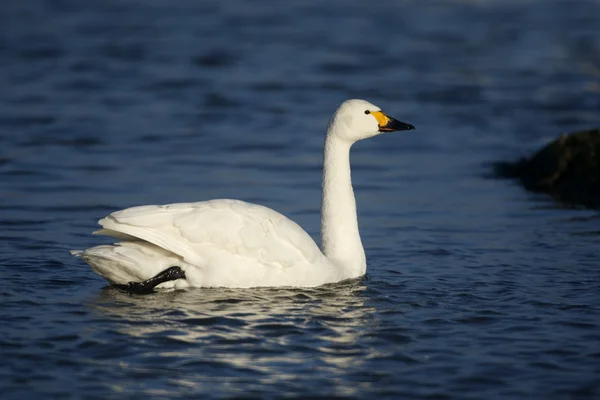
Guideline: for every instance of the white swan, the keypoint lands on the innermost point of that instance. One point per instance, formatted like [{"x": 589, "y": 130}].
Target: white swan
[{"x": 231, "y": 243}]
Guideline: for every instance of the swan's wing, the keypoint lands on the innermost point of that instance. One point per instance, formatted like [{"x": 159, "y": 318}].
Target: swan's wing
[{"x": 201, "y": 233}]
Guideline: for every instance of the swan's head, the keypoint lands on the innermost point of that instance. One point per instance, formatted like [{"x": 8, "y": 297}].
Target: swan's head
[{"x": 359, "y": 119}]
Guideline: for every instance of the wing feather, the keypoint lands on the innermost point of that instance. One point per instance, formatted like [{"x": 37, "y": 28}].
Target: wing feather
[{"x": 200, "y": 232}]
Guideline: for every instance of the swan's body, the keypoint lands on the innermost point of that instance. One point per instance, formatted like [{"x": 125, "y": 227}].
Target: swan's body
[{"x": 231, "y": 243}]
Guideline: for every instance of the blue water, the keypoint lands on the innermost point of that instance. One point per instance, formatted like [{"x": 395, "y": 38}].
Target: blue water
[{"x": 476, "y": 289}]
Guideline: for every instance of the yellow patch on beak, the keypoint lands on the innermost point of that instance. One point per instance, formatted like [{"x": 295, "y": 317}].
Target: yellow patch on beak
[{"x": 381, "y": 118}]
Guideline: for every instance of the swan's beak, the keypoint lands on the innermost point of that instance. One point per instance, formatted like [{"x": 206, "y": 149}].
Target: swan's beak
[{"x": 389, "y": 124}]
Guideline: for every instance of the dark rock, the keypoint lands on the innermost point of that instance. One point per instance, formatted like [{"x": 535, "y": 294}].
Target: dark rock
[{"x": 568, "y": 168}]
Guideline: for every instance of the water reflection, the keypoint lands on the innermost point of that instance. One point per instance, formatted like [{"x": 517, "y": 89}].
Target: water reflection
[
  {"x": 259, "y": 331},
  {"x": 328, "y": 300}
]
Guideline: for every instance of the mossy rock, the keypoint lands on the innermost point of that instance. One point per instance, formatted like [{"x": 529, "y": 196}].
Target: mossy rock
[{"x": 568, "y": 168}]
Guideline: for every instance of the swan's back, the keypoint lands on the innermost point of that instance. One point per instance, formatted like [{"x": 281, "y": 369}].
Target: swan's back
[{"x": 230, "y": 242}]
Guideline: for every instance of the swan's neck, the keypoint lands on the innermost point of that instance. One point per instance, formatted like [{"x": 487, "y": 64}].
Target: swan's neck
[{"x": 339, "y": 224}]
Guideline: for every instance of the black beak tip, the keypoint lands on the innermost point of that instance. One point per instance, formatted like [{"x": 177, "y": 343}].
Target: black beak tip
[{"x": 395, "y": 125}]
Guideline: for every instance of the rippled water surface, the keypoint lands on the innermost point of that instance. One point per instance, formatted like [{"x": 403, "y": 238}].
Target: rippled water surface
[{"x": 475, "y": 288}]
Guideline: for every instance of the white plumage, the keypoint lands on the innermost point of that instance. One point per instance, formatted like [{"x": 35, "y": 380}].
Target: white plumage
[{"x": 231, "y": 243}]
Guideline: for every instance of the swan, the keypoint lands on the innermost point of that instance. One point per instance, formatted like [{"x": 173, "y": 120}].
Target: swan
[{"x": 231, "y": 243}]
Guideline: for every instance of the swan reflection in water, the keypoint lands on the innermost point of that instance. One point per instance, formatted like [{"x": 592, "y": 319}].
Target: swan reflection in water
[{"x": 268, "y": 334}]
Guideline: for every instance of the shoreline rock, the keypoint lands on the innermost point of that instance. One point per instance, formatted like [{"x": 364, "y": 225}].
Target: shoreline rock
[{"x": 568, "y": 168}]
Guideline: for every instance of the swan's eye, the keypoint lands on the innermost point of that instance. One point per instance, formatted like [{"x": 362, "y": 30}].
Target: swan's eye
[{"x": 367, "y": 112}]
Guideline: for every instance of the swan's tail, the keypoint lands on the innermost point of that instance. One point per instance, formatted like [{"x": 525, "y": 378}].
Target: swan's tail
[{"x": 125, "y": 262}]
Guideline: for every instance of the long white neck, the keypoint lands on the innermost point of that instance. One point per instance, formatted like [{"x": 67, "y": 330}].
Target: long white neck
[{"x": 339, "y": 223}]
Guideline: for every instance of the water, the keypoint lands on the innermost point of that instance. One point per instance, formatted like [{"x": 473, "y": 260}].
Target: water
[{"x": 475, "y": 289}]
